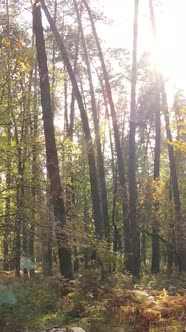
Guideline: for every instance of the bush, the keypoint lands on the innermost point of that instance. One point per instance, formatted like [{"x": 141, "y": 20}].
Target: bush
[{"x": 24, "y": 303}]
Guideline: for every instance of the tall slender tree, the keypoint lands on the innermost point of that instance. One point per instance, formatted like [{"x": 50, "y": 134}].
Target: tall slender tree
[
  {"x": 8, "y": 175},
  {"x": 100, "y": 162},
  {"x": 135, "y": 247},
  {"x": 120, "y": 161},
  {"x": 34, "y": 169},
  {"x": 155, "y": 267},
  {"x": 179, "y": 222}
]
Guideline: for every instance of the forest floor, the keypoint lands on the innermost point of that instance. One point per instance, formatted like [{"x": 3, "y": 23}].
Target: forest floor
[{"x": 116, "y": 304}]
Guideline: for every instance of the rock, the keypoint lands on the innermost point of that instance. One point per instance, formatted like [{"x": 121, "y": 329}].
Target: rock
[{"x": 67, "y": 329}]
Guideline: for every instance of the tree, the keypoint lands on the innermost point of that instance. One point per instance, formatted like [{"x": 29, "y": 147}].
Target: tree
[
  {"x": 120, "y": 161},
  {"x": 56, "y": 191},
  {"x": 156, "y": 105},
  {"x": 135, "y": 244},
  {"x": 7, "y": 211},
  {"x": 104, "y": 203},
  {"x": 85, "y": 124},
  {"x": 179, "y": 221}
]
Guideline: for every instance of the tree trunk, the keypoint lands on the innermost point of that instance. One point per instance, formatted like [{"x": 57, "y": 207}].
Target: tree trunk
[
  {"x": 53, "y": 61},
  {"x": 180, "y": 227},
  {"x": 19, "y": 191},
  {"x": 7, "y": 208},
  {"x": 72, "y": 104},
  {"x": 120, "y": 161},
  {"x": 155, "y": 267},
  {"x": 155, "y": 264},
  {"x": 47, "y": 232},
  {"x": 6, "y": 258},
  {"x": 114, "y": 223},
  {"x": 19, "y": 215},
  {"x": 56, "y": 192},
  {"x": 34, "y": 132},
  {"x": 104, "y": 202},
  {"x": 6, "y": 263},
  {"x": 66, "y": 124},
  {"x": 135, "y": 247},
  {"x": 85, "y": 123},
  {"x": 71, "y": 124}
]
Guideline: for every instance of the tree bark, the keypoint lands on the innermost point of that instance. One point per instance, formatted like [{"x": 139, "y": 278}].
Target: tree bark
[
  {"x": 19, "y": 225},
  {"x": 104, "y": 202},
  {"x": 6, "y": 264},
  {"x": 155, "y": 267},
  {"x": 19, "y": 215},
  {"x": 72, "y": 104},
  {"x": 85, "y": 124},
  {"x": 180, "y": 227},
  {"x": 120, "y": 161},
  {"x": 155, "y": 264},
  {"x": 34, "y": 170},
  {"x": 53, "y": 61},
  {"x": 56, "y": 191},
  {"x": 135, "y": 247}
]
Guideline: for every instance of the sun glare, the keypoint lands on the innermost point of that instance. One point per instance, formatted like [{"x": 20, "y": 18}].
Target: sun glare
[
  {"x": 170, "y": 52},
  {"x": 171, "y": 47}
]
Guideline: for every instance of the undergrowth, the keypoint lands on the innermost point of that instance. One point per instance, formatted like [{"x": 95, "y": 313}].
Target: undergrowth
[{"x": 89, "y": 302}]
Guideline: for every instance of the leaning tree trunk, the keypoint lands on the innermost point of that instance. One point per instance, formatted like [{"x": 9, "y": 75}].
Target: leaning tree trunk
[
  {"x": 135, "y": 246},
  {"x": 72, "y": 103},
  {"x": 56, "y": 191},
  {"x": 70, "y": 189},
  {"x": 119, "y": 155},
  {"x": 104, "y": 202},
  {"x": 155, "y": 265},
  {"x": 85, "y": 124}
]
